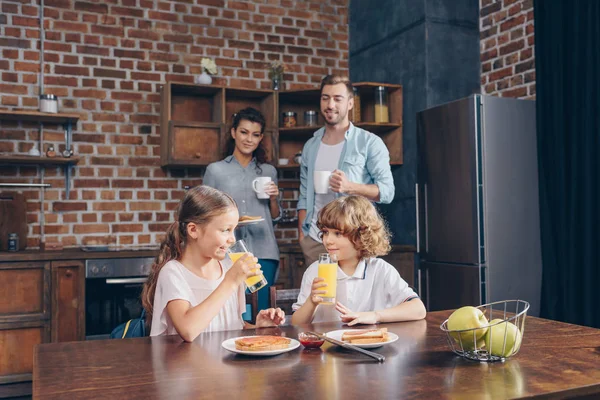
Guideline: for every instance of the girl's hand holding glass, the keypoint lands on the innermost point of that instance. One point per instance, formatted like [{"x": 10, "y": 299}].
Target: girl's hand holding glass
[
  {"x": 317, "y": 290},
  {"x": 353, "y": 318},
  {"x": 270, "y": 317},
  {"x": 245, "y": 267}
]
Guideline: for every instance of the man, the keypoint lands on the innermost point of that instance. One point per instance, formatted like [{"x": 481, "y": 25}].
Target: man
[{"x": 360, "y": 162}]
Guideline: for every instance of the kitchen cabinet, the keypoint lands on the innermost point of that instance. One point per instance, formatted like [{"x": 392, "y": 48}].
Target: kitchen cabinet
[
  {"x": 42, "y": 300},
  {"x": 195, "y": 121},
  {"x": 24, "y": 320},
  {"x": 68, "y": 300}
]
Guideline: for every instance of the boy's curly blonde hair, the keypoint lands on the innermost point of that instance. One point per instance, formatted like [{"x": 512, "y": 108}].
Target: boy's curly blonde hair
[{"x": 358, "y": 220}]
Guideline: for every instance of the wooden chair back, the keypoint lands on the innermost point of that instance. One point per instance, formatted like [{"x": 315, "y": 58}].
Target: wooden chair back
[{"x": 283, "y": 298}]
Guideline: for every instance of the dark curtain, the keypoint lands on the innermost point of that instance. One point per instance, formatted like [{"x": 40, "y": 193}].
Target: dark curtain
[{"x": 567, "y": 62}]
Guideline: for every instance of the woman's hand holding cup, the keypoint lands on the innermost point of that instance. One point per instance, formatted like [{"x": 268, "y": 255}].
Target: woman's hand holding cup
[{"x": 272, "y": 190}]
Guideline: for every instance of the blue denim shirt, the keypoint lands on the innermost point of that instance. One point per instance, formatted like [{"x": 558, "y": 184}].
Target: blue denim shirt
[
  {"x": 365, "y": 159},
  {"x": 229, "y": 176}
]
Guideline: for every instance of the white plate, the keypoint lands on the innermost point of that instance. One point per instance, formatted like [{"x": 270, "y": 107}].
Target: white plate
[
  {"x": 250, "y": 222},
  {"x": 229, "y": 344},
  {"x": 392, "y": 337}
]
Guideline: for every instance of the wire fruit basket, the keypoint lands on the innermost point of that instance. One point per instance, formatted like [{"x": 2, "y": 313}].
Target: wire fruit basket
[{"x": 498, "y": 339}]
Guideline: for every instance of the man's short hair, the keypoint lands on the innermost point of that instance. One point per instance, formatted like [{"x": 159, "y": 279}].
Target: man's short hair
[{"x": 335, "y": 79}]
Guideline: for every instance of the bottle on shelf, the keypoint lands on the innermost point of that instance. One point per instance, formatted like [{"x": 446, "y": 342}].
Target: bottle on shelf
[{"x": 382, "y": 114}]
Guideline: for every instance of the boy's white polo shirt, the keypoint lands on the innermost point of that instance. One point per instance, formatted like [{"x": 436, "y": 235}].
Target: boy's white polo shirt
[{"x": 375, "y": 285}]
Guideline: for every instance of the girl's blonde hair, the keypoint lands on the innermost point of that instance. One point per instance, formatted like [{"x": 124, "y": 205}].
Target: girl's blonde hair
[
  {"x": 358, "y": 220},
  {"x": 200, "y": 205}
]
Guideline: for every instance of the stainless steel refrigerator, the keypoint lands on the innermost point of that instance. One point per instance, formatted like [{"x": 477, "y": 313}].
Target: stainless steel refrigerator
[{"x": 478, "y": 229}]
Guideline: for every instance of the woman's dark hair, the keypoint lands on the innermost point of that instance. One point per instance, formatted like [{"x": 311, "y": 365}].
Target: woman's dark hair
[{"x": 252, "y": 115}]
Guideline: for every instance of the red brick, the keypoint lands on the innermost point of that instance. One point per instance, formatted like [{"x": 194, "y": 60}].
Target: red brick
[
  {"x": 91, "y": 7},
  {"x": 516, "y": 93},
  {"x": 110, "y": 206},
  {"x": 511, "y": 47},
  {"x": 69, "y": 70},
  {"x": 117, "y": 228},
  {"x": 494, "y": 76},
  {"x": 511, "y": 23},
  {"x": 68, "y": 206}
]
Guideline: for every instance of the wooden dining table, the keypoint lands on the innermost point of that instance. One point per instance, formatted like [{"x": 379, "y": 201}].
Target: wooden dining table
[{"x": 556, "y": 361}]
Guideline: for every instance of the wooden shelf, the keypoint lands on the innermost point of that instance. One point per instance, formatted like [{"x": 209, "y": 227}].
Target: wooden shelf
[
  {"x": 196, "y": 119},
  {"x": 33, "y": 160},
  {"x": 377, "y": 128},
  {"x": 36, "y": 116},
  {"x": 303, "y": 131},
  {"x": 291, "y": 166}
]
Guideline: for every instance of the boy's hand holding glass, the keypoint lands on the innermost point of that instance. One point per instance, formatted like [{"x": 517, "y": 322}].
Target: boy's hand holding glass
[
  {"x": 353, "y": 318},
  {"x": 317, "y": 290},
  {"x": 270, "y": 317}
]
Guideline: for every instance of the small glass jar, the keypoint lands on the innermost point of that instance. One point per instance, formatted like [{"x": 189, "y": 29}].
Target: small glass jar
[
  {"x": 355, "y": 114},
  {"x": 48, "y": 103},
  {"x": 289, "y": 119},
  {"x": 382, "y": 114},
  {"x": 13, "y": 242},
  {"x": 310, "y": 118}
]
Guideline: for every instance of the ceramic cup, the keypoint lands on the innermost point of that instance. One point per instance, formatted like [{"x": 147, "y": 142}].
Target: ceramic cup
[
  {"x": 321, "y": 179},
  {"x": 258, "y": 185}
]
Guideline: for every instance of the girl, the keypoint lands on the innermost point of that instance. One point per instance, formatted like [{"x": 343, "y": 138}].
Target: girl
[
  {"x": 192, "y": 287},
  {"x": 245, "y": 161},
  {"x": 369, "y": 290}
]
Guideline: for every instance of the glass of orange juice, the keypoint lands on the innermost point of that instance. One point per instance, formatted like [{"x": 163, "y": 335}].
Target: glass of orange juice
[
  {"x": 328, "y": 270},
  {"x": 253, "y": 283}
]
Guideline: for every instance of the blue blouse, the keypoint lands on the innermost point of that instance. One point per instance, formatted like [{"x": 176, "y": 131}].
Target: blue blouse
[{"x": 231, "y": 177}]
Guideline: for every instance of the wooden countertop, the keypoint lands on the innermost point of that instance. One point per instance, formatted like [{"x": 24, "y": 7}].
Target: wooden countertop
[
  {"x": 78, "y": 254},
  {"x": 556, "y": 361},
  {"x": 72, "y": 254}
]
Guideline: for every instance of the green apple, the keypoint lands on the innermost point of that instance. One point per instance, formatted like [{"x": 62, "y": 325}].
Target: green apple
[
  {"x": 495, "y": 337},
  {"x": 468, "y": 318}
]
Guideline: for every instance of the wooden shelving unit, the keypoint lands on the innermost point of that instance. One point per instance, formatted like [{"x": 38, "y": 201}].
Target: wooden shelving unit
[
  {"x": 65, "y": 119},
  {"x": 195, "y": 121}
]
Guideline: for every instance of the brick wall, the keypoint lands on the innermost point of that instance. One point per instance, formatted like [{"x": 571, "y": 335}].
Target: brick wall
[
  {"x": 106, "y": 60},
  {"x": 507, "y": 48}
]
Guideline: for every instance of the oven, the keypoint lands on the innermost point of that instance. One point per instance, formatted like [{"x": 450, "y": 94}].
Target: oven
[{"x": 112, "y": 293}]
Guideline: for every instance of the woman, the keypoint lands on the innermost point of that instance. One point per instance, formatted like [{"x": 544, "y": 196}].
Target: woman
[{"x": 246, "y": 161}]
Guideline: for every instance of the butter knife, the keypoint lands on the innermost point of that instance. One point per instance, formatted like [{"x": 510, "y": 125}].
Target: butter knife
[{"x": 349, "y": 346}]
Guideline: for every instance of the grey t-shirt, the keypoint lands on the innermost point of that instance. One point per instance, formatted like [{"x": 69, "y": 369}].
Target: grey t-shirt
[{"x": 229, "y": 176}]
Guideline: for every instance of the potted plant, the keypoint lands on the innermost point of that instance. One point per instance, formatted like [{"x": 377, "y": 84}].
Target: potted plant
[
  {"x": 209, "y": 67},
  {"x": 276, "y": 71}
]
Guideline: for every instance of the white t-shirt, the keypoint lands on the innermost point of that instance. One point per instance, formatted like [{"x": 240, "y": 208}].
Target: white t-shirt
[
  {"x": 375, "y": 285},
  {"x": 328, "y": 159},
  {"x": 176, "y": 282}
]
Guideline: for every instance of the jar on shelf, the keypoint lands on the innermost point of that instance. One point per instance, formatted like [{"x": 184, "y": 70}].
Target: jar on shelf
[
  {"x": 382, "y": 114},
  {"x": 48, "y": 103},
  {"x": 310, "y": 118},
  {"x": 355, "y": 114},
  {"x": 13, "y": 242},
  {"x": 289, "y": 119}
]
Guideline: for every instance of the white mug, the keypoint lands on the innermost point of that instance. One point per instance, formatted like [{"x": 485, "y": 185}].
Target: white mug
[
  {"x": 258, "y": 185},
  {"x": 321, "y": 179}
]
